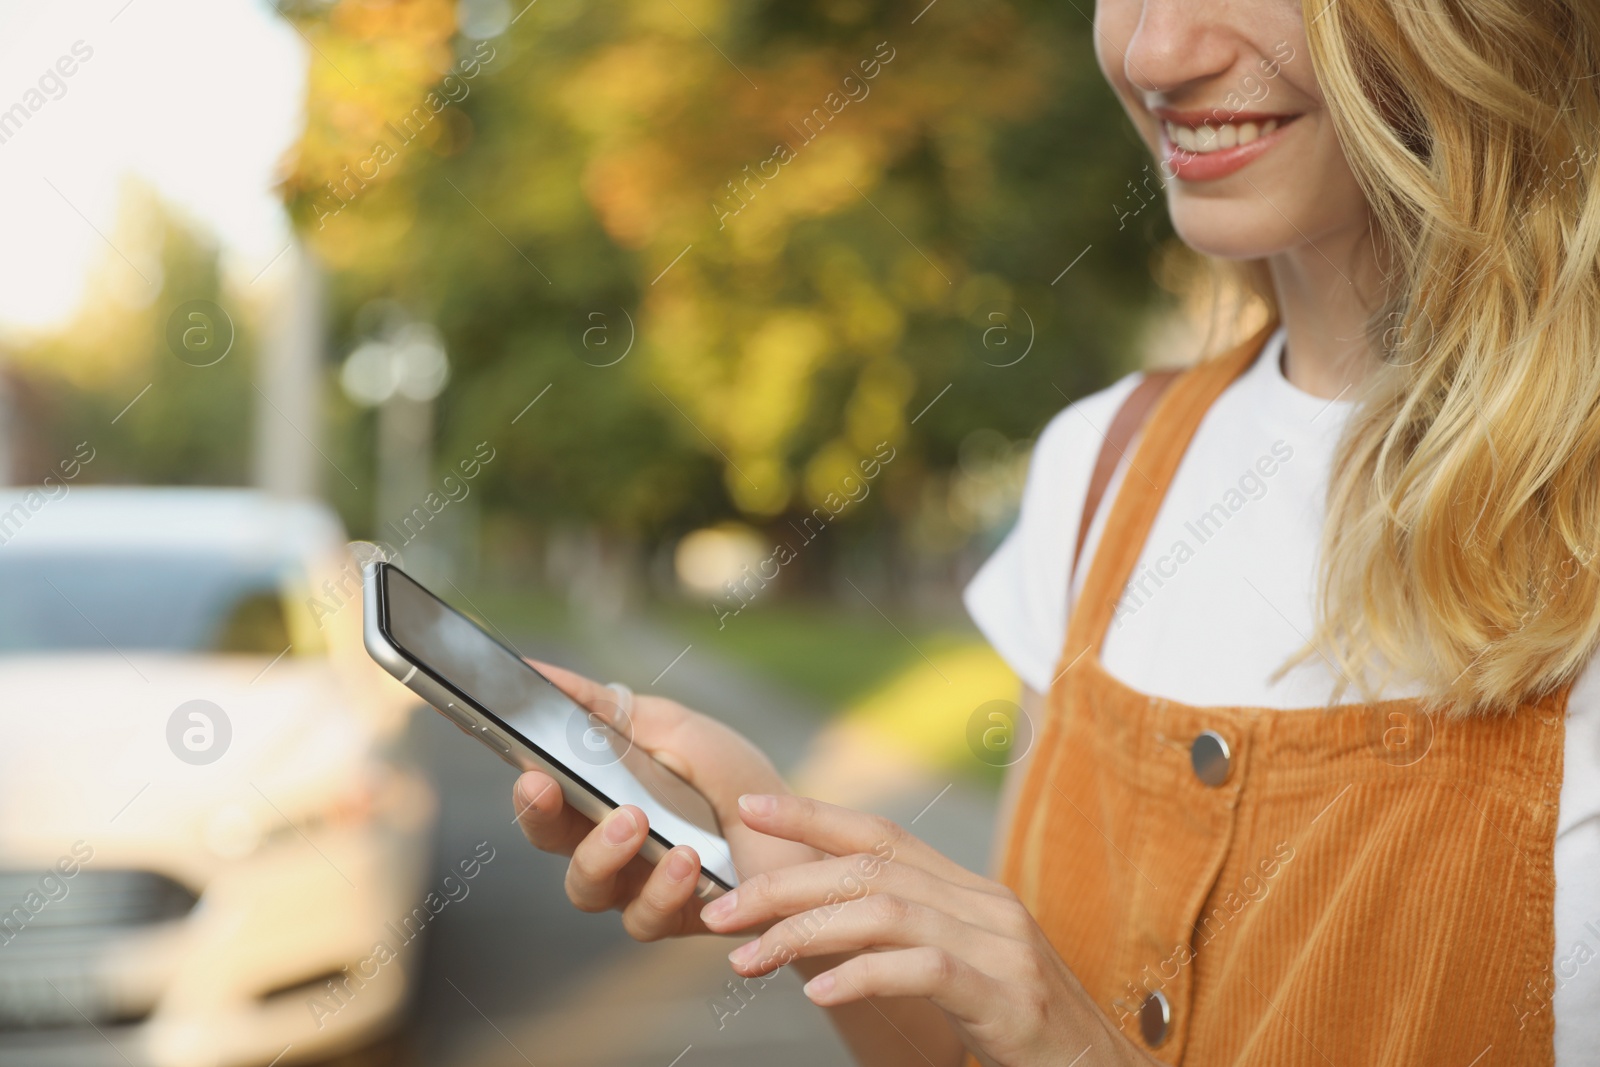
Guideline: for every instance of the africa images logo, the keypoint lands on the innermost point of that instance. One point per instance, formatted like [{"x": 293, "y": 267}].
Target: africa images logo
[{"x": 199, "y": 732}]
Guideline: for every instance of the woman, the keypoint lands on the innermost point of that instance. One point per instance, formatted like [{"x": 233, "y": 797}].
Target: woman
[{"x": 1316, "y": 776}]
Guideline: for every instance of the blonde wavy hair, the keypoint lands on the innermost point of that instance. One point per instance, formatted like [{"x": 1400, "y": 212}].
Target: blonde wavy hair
[{"x": 1464, "y": 509}]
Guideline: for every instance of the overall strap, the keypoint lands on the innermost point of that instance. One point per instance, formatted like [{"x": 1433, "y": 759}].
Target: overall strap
[
  {"x": 1125, "y": 424},
  {"x": 1173, "y": 410}
]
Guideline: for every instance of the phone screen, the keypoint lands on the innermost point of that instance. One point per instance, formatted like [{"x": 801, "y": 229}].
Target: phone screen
[{"x": 498, "y": 683}]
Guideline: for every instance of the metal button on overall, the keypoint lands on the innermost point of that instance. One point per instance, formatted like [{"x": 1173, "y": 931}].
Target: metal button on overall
[
  {"x": 1155, "y": 1019},
  {"x": 1211, "y": 758}
]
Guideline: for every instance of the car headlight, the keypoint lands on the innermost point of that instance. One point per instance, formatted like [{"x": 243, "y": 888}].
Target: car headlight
[{"x": 232, "y": 832}]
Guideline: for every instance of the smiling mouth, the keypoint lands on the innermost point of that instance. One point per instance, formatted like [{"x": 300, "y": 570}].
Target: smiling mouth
[
  {"x": 1209, "y": 137},
  {"x": 1197, "y": 146}
]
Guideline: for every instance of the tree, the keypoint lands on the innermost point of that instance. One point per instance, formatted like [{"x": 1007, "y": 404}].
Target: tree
[
  {"x": 819, "y": 225},
  {"x": 153, "y": 372}
]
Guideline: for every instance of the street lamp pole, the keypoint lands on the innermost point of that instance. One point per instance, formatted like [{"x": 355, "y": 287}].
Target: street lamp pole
[{"x": 401, "y": 372}]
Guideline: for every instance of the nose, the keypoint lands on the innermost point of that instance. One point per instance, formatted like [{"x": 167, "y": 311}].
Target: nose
[{"x": 1178, "y": 43}]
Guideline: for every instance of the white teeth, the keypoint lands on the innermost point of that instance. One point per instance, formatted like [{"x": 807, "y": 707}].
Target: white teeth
[{"x": 1203, "y": 139}]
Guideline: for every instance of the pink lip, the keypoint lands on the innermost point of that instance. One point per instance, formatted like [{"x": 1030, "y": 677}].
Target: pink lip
[{"x": 1195, "y": 167}]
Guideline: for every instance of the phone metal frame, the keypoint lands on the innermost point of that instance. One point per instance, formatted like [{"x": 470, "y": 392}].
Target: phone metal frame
[{"x": 482, "y": 724}]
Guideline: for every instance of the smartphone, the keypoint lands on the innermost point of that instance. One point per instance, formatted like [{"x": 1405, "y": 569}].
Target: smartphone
[{"x": 491, "y": 693}]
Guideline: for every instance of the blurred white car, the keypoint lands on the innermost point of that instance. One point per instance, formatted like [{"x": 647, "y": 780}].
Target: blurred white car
[{"x": 206, "y": 830}]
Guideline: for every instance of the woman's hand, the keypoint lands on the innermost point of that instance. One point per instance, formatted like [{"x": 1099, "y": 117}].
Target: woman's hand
[
  {"x": 606, "y": 871},
  {"x": 916, "y": 925}
]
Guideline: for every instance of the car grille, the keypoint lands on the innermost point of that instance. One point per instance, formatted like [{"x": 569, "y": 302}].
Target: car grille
[
  {"x": 92, "y": 899},
  {"x": 51, "y": 949}
]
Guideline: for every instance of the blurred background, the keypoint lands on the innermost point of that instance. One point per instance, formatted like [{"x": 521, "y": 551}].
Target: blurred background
[{"x": 693, "y": 344}]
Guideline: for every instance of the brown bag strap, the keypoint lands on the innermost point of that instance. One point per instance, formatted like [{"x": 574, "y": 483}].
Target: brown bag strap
[{"x": 1136, "y": 407}]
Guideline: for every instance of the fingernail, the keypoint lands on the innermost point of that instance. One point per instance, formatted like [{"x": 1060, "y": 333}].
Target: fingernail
[
  {"x": 745, "y": 953},
  {"x": 679, "y": 866},
  {"x": 620, "y": 826},
  {"x": 759, "y": 803},
  {"x": 720, "y": 908},
  {"x": 820, "y": 986}
]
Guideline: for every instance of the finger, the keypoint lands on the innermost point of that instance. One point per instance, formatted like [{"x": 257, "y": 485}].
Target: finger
[
  {"x": 840, "y": 832},
  {"x": 586, "y": 691},
  {"x": 602, "y": 855},
  {"x": 662, "y": 907},
  {"x": 955, "y": 986},
  {"x": 879, "y": 922},
  {"x": 547, "y": 821},
  {"x": 778, "y": 894},
  {"x": 651, "y": 723}
]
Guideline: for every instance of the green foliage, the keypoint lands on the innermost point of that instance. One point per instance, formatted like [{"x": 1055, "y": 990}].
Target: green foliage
[
  {"x": 111, "y": 378},
  {"x": 547, "y": 206}
]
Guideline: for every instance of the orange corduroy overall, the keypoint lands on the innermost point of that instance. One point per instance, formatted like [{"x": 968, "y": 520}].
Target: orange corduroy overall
[{"x": 1334, "y": 899}]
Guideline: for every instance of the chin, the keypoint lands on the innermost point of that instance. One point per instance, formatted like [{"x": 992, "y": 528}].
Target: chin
[{"x": 1232, "y": 231}]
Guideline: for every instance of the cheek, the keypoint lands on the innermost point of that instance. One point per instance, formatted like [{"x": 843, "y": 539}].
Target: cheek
[
  {"x": 1297, "y": 77},
  {"x": 1333, "y": 196}
]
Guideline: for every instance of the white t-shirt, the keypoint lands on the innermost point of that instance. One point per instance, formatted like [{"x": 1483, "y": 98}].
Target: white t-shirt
[{"x": 1227, "y": 594}]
